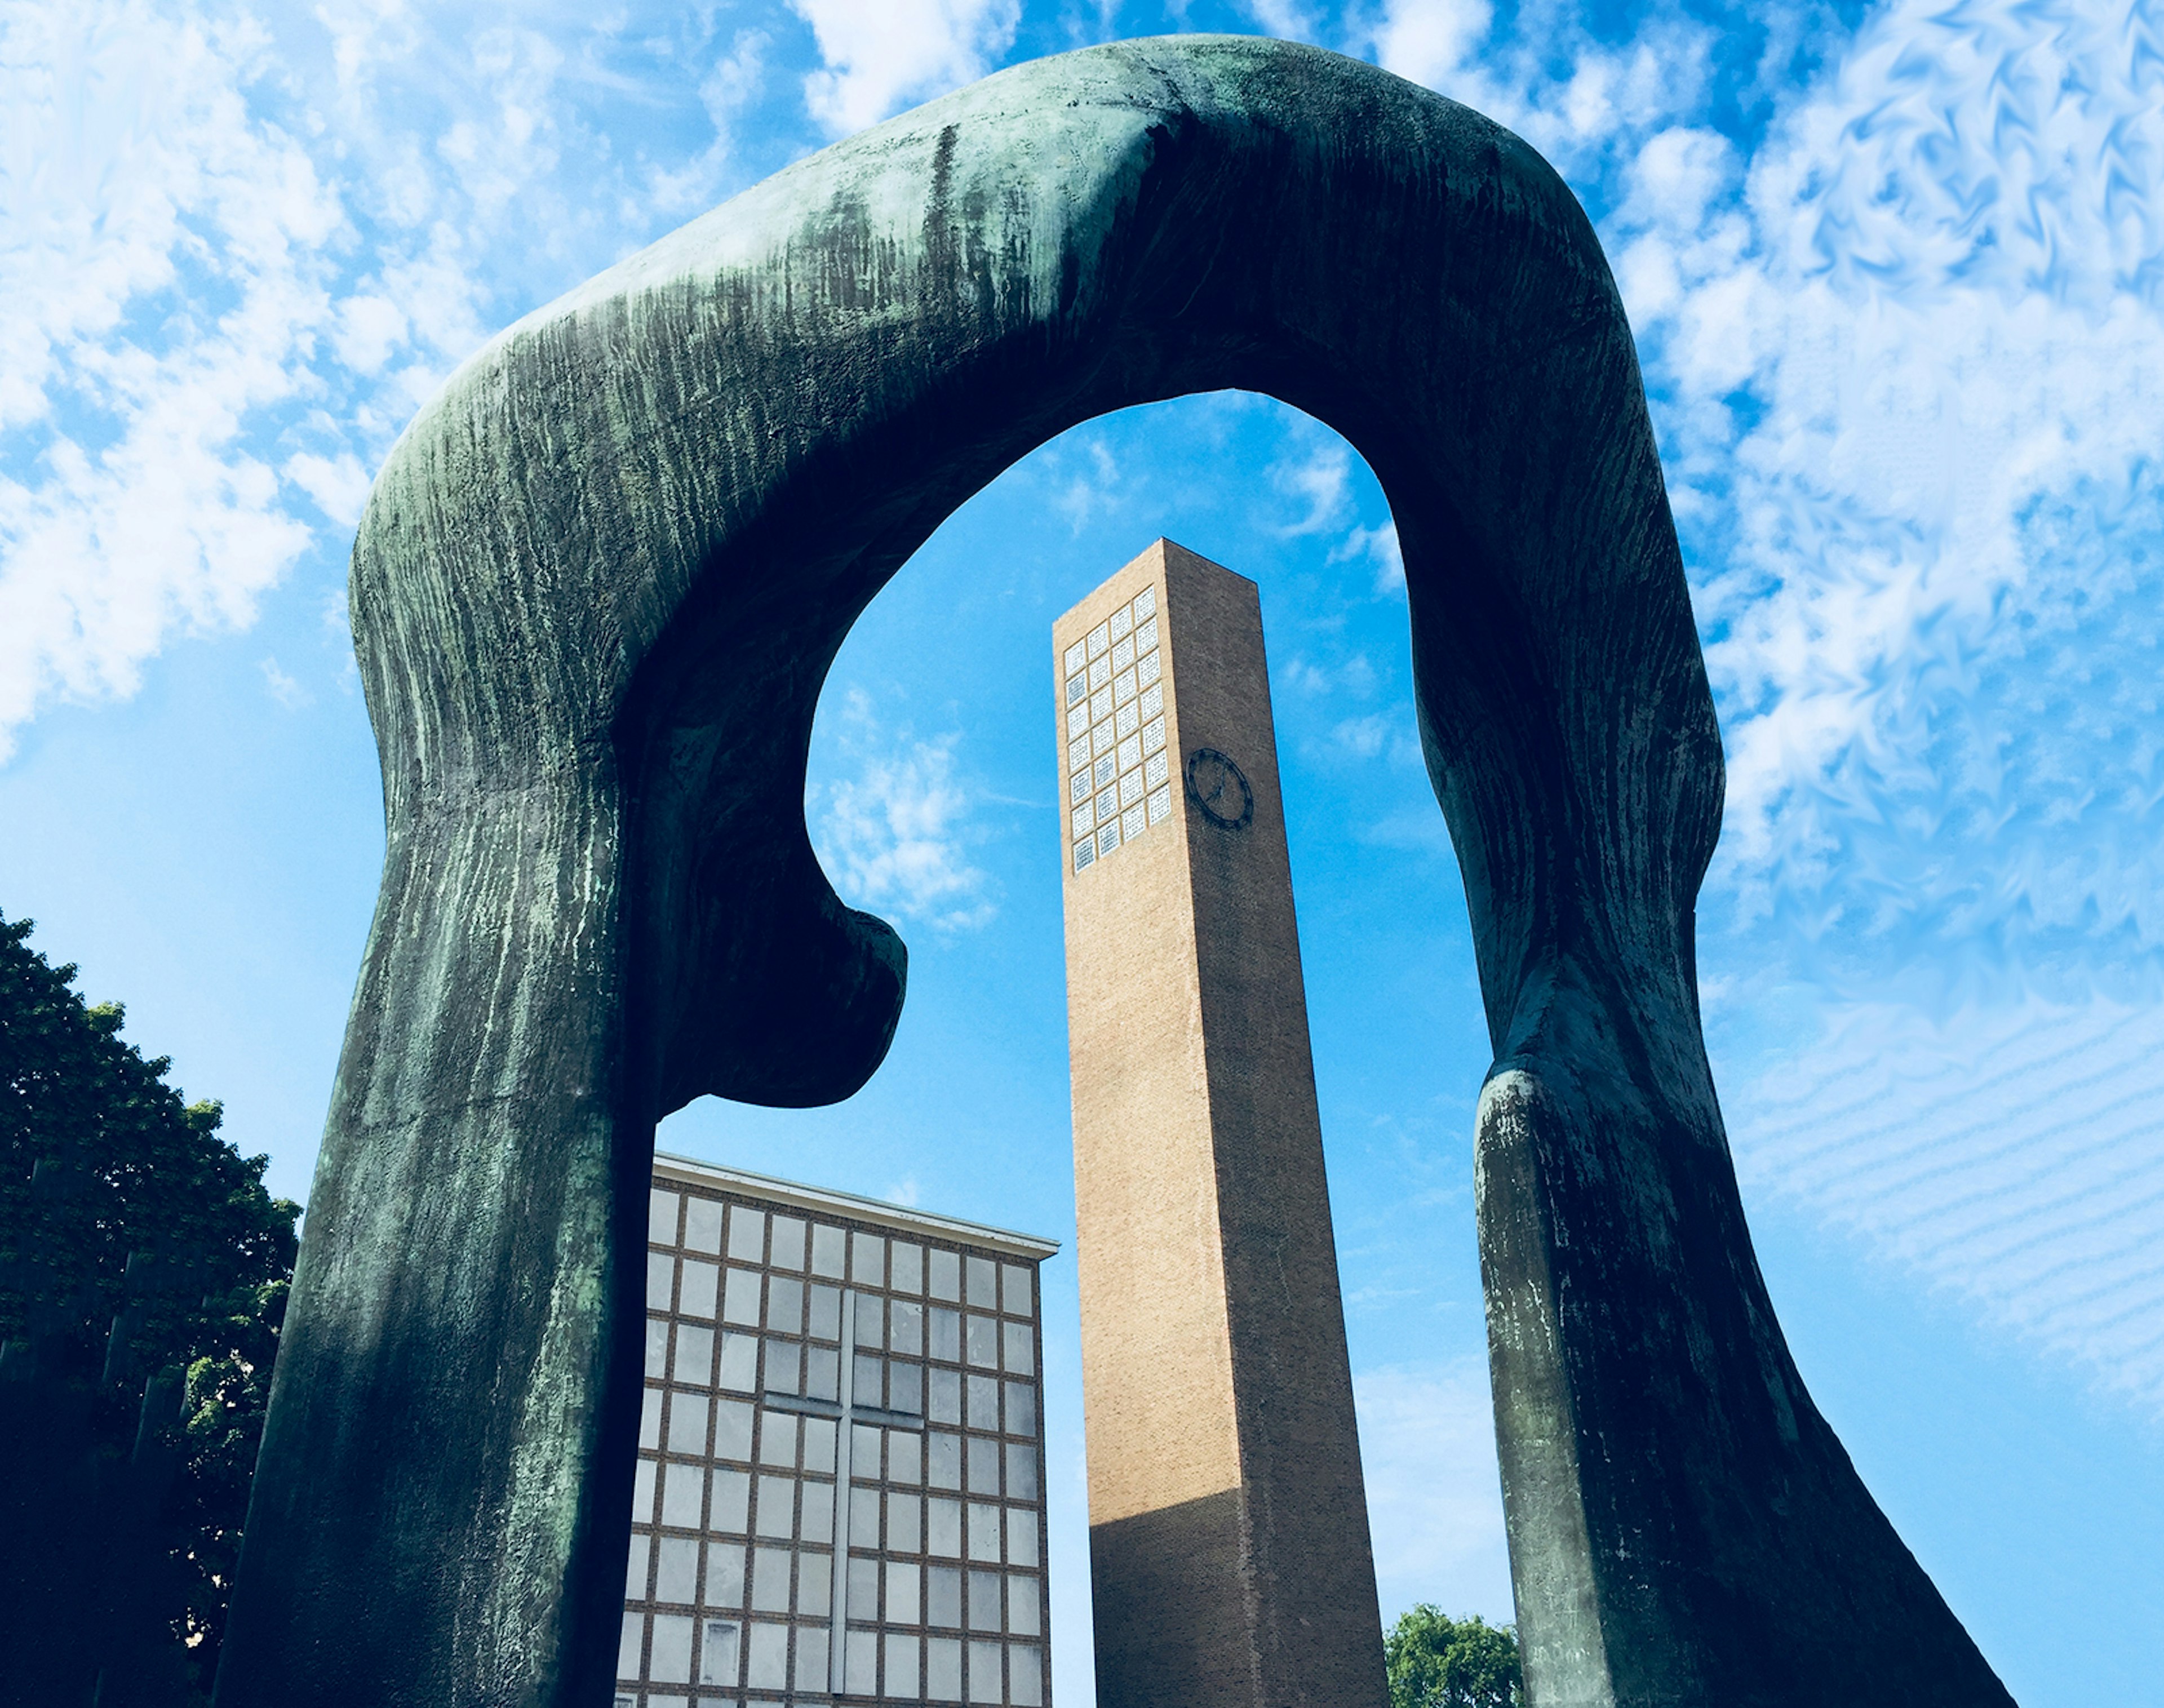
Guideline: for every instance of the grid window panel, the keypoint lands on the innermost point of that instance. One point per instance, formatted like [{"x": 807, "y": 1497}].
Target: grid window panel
[
  {"x": 905, "y": 1523},
  {"x": 1022, "y": 1537},
  {"x": 661, "y": 1218},
  {"x": 1146, "y": 633},
  {"x": 904, "y": 1459},
  {"x": 733, "y": 1430},
  {"x": 1086, "y": 821},
  {"x": 1021, "y": 1409},
  {"x": 1075, "y": 659},
  {"x": 1078, "y": 786},
  {"x": 871, "y": 1323},
  {"x": 630, "y": 1648},
  {"x": 984, "y": 1457},
  {"x": 904, "y": 1593},
  {"x": 904, "y": 1680},
  {"x": 984, "y": 1531},
  {"x": 1126, "y": 721},
  {"x": 905, "y": 1387},
  {"x": 1130, "y": 791},
  {"x": 776, "y": 1507},
  {"x": 1101, "y": 672},
  {"x": 984, "y": 1404},
  {"x": 822, "y": 1373},
  {"x": 907, "y": 1326},
  {"x": 649, "y": 1420},
  {"x": 747, "y": 1234},
  {"x": 660, "y": 1279},
  {"x": 634, "y": 1576},
  {"x": 1156, "y": 770},
  {"x": 777, "y": 1440},
  {"x": 784, "y": 1367},
  {"x": 942, "y": 1668},
  {"x": 1100, "y": 640},
  {"x": 860, "y": 1662},
  {"x": 984, "y": 1589},
  {"x": 1078, "y": 686},
  {"x": 814, "y": 1583},
  {"x": 1131, "y": 753},
  {"x": 1025, "y": 1668},
  {"x": 947, "y": 1335},
  {"x": 1108, "y": 838},
  {"x": 826, "y": 1313},
  {"x": 864, "y": 1516},
  {"x": 725, "y": 1575},
  {"x": 1017, "y": 1344},
  {"x": 788, "y": 1251},
  {"x": 1123, "y": 624},
  {"x": 1123, "y": 655},
  {"x": 766, "y": 1659},
  {"x": 721, "y": 1654},
  {"x": 771, "y": 1573},
  {"x": 687, "y": 1424},
  {"x": 683, "y": 1496},
  {"x": 1104, "y": 739},
  {"x": 818, "y": 1518},
  {"x": 864, "y": 1586},
  {"x": 1131, "y": 823},
  {"x": 983, "y": 1343},
  {"x": 731, "y": 1504},
  {"x": 693, "y": 1363},
  {"x": 740, "y": 1370},
  {"x": 1025, "y": 1606},
  {"x": 1106, "y": 770},
  {"x": 942, "y": 1596},
  {"x": 943, "y": 1456},
  {"x": 1160, "y": 804},
  {"x": 657, "y": 1346},
  {"x": 828, "y": 1247},
  {"x": 642, "y": 1492},
  {"x": 943, "y": 1527},
  {"x": 868, "y": 1259},
  {"x": 812, "y": 1659},
  {"x": 785, "y": 1305},
  {"x": 1022, "y": 1471},
  {"x": 702, "y": 1225},
  {"x": 1123, "y": 695},
  {"x": 985, "y": 1682},
  {"x": 1147, "y": 671},
  {"x": 740, "y": 1301},
  {"x": 669, "y": 1660},
  {"x": 819, "y": 1444},
  {"x": 697, "y": 1298},
  {"x": 1085, "y": 854},
  {"x": 1145, "y": 602},
  {"x": 1152, "y": 700}
]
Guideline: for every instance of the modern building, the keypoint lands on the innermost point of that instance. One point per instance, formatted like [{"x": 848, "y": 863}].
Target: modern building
[
  {"x": 840, "y": 1492},
  {"x": 1228, "y": 1528}
]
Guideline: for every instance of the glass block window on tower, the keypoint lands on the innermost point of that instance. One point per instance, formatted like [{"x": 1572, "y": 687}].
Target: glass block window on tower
[
  {"x": 1112, "y": 705},
  {"x": 840, "y": 1487}
]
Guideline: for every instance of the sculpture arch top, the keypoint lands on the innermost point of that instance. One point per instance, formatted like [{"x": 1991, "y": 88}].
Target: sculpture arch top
[
  {"x": 596, "y": 589},
  {"x": 722, "y": 449}
]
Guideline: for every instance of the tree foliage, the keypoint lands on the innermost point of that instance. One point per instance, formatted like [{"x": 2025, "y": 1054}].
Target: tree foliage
[
  {"x": 142, "y": 1276},
  {"x": 1434, "y": 1661}
]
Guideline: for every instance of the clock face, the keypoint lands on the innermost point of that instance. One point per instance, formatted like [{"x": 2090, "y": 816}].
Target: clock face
[{"x": 1220, "y": 789}]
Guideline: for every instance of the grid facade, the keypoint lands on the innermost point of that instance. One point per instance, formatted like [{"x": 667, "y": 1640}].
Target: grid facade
[
  {"x": 840, "y": 1488},
  {"x": 1112, "y": 707}
]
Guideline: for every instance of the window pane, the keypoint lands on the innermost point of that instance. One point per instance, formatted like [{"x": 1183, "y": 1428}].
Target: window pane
[
  {"x": 733, "y": 1430},
  {"x": 1019, "y": 1348},
  {"x": 902, "y": 1679},
  {"x": 984, "y": 1531},
  {"x": 905, "y": 1523},
  {"x": 860, "y": 1671},
  {"x": 946, "y": 1275},
  {"x": 703, "y": 1224},
  {"x": 739, "y": 1372},
  {"x": 634, "y": 1576},
  {"x": 942, "y": 1668},
  {"x": 814, "y": 1583},
  {"x": 818, "y": 1517},
  {"x": 767, "y": 1658},
  {"x": 1026, "y": 1670},
  {"x": 864, "y": 1518},
  {"x": 725, "y": 1575},
  {"x": 747, "y": 1234},
  {"x": 942, "y": 1455},
  {"x": 905, "y": 1458},
  {"x": 698, "y": 1294},
  {"x": 822, "y": 1373},
  {"x": 740, "y": 1304},
  {"x": 985, "y": 1681},
  {"x": 811, "y": 1660},
  {"x": 984, "y": 1342},
  {"x": 946, "y": 1402},
  {"x": 784, "y": 1367},
  {"x": 1025, "y": 1611},
  {"x": 694, "y": 1355},
  {"x": 660, "y": 1280},
  {"x": 1022, "y": 1471},
  {"x": 868, "y": 1378},
  {"x": 904, "y": 1387},
  {"x": 777, "y": 1505},
  {"x": 683, "y": 1496},
  {"x": 1022, "y": 1537},
  {"x": 826, "y": 1248},
  {"x": 642, "y": 1492},
  {"x": 947, "y": 1335},
  {"x": 826, "y": 1313},
  {"x": 942, "y": 1528},
  {"x": 649, "y": 1420},
  {"x": 788, "y": 1247},
  {"x": 777, "y": 1440},
  {"x": 908, "y": 1263},
  {"x": 1021, "y": 1409},
  {"x": 819, "y": 1444},
  {"x": 983, "y": 1465},
  {"x": 661, "y": 1218},
  {"x": 631, "y": 1646},
  {"x": 867, "y": 1260},
  {"x": 942, "y": 1596},
  {"x": 657, "y": 1346},
  {"x": 671, "y": 1663},
  {"x": 732, "y": 1501},
  {"x": 984, "y": 1404},
  {"x": 769, "y": 1580},
  {"x": 720, "y": 1656},
  {"x": 785, "y": 1305},
  {"x": 983, "y": 1601},
  {"x": 864, "y": 1586},
  {"x": 687, "y": 1424}
]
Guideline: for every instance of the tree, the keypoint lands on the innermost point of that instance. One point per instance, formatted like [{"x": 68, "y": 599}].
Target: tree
[
  {"x": 1437, "y": 1662},
  {"x": 142, "y": 1276}
]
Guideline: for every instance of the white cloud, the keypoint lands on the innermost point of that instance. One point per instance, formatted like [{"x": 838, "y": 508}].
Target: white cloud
[
  {"x": 1434, "y": 1502},
  {"x": 286, "y": 691},
  {"x": 1319, "y": 478},
  {"x": 881, "y": 55},
  {"x": 894, "y": 835},
  {"x": 2013, "y": 1156},
  {"x": 1428, "y": 40}
]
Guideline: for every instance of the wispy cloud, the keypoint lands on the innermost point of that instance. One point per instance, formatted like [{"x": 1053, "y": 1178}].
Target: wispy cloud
[
  {"x": 894, "y": 834},
  {"x": 1435, "y": 1502},
  {"x": 881, "y": 55}
]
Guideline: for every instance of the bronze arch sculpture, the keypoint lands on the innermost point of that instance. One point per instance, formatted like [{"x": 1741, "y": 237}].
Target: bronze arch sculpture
[{"x": 595, "y": 592}]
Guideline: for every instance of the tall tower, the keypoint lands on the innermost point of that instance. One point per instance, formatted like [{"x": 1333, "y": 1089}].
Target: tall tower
[{"x": 1228, "y": 1528}]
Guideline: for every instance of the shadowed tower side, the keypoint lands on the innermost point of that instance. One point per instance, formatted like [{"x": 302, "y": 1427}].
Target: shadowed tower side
[{"x": 1228, "y": 1528}]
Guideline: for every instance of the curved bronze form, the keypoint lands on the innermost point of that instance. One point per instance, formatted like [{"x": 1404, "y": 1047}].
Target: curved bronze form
[{"x": 597, "y": 591}]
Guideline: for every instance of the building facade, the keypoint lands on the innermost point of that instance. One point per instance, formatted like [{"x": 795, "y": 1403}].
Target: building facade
[
  {"x": 840, "y": 1490},
  {"x": 1228, "y": 1526}
]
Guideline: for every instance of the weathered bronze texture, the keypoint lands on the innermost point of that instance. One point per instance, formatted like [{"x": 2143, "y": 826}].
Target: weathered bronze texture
[{"x": 597, "y": 587}]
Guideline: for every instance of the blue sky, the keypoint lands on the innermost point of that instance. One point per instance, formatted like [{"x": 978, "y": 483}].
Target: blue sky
[{"x": 1898, "y": 275}]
